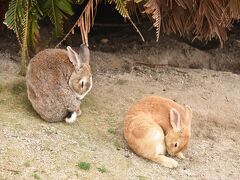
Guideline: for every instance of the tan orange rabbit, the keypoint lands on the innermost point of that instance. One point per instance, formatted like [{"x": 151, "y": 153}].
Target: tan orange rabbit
[{"x": 154, "y": 126}]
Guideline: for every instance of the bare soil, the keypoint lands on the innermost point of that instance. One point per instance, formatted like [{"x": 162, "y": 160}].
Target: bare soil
[{"x": 31, "y": 148}]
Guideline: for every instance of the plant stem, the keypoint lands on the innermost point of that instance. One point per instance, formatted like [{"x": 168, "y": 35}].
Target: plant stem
[{"x": 23, "y": 66}]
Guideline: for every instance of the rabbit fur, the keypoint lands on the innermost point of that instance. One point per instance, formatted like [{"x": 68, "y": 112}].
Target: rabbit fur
[
  {"x": 57, "y": 80},
  {"x": 156, "y": 125}
]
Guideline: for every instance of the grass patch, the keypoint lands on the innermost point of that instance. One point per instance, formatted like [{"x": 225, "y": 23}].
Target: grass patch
[
  {"x": 111, "y": 119},
  {"x": 121, "y": 82},
  {"x": 25, "y": 103},
  {"x": 1, "y": 88},
  {"x": 88, "y": 101},
  {"x": 102, "y": 169},
  {"x": 142, "y": 178},
  {"x": 118, "y": 145},
  {"x": 2, "y": 101},
  {"x": 112, "y": 131},
  {"x": 84, "y": 166},
  {"x": 35, "y": 175},
  {"x": 18, "y": 88},
  {"x": 27, "y": 164}
]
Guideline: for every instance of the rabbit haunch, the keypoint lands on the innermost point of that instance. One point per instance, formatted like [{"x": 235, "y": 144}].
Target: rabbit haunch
[
  {"x": 56, "y": 82},
  {"x": 155, "y": 125}
]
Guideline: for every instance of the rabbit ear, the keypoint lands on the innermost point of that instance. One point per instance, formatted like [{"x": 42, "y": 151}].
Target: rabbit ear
[
  {"x": 175, "y": 119},
  {"x": 74, "y": 58},
  {"x": 188, "y": 118},
  {"x": 84, "y": 53}
]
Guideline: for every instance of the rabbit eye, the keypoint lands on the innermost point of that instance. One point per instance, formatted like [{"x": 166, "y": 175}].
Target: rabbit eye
[
  {"x": 176, "y": 144},
  {"x": 82, "y": 83}
]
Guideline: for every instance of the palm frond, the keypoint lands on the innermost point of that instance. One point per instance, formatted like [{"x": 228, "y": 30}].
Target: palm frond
[
  {"x": 121, "y": 7},
  {"x": 57, "y": 11},
  {"x": 233, "y": 9},
  {"x": 185, "y": 4},
  {"x": 132, "y": 8},
  {"x": 205, "y": 19},
  {"x": 25, "y": 34},
  {"x": 35, "y": 15},
  {"x": 84, "y": 22},
  {"x": 153, "y": 7},
  {"x": 208, "y": 20},
  {"x": 13, "y": 17},
  {"x": 178, "y": 20},
  {"x": 22, "y": 17}
]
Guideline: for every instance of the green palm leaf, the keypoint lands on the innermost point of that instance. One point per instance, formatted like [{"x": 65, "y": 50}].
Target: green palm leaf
[
  {"x": 57, "y": 10},
  {"x": 13, "y": 17},
  {"x": 121, "y": 7},
  {"x": 22, "y": 17}
]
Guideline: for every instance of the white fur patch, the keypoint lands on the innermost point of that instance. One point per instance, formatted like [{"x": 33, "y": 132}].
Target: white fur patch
[
  {"x": 160, "y": 149},
  {"x": 82, "y": 96},
  {"x": 72, "y": 118},
  {"x": 158, "y": 137}
]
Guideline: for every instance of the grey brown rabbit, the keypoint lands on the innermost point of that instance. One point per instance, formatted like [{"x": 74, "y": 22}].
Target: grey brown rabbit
[{"x": 57, "y": 80}]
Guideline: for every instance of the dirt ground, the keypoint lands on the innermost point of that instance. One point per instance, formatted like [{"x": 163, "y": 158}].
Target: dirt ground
[{"x": 31, "y": 148}]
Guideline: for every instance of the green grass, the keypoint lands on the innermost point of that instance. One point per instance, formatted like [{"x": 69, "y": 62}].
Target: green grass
[
  {"x": 1, "y": 88},
  {"x": 121, "y": 82},
  {"x": 87, "y": 102},
  {"x": 112, "y": 131},
  {"x": 23, "y": 102},
  {"x": 27, "y": 164},
  {"x": 118, "y": 144},
  {"x": 2, "y": 101},
  {"x": 18, "y": 88},
  {"x": 102, "y": 169},
  {"x": 35, "y": 175},
  {"x": 20, "y": 98},
  {"x": 84, "y": 166},
  {"x": 111, "y": 119},
  {"x": 142, "y": 178}
]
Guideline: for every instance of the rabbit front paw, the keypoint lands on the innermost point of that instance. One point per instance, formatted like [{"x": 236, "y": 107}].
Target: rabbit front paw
[
  {"x": 180, "y": 155},
  {"x": 170, "y": 163},
  {"x": 79, "y": 112}
]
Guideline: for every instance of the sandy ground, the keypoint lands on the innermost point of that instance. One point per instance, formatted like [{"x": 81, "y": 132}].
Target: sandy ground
[{"x": 31, "y": 148}]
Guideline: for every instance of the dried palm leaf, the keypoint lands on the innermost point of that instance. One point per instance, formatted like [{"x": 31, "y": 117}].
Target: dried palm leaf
[
  {"x": 231, "y": 13},
  {"x": 208, "y": 20},
  {"x": 178, "y": 20},
  {"x": 153, "y": 7},
  {"x": 205, "y": 19},
  {"x": 86, "y": 19},
  {"x": 186, "y": 4},
  {"x": 234, "y": 7},
  {"x": 84, "y": 22}
]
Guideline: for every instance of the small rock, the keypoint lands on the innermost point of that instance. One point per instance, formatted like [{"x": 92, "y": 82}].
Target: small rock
[
  {"x": 104, "y": 40},
  {"x": 127, "y": 156}
]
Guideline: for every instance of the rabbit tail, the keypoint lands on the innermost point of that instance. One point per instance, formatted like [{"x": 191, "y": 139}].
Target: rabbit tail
[{"x": 71, "y": 117}]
